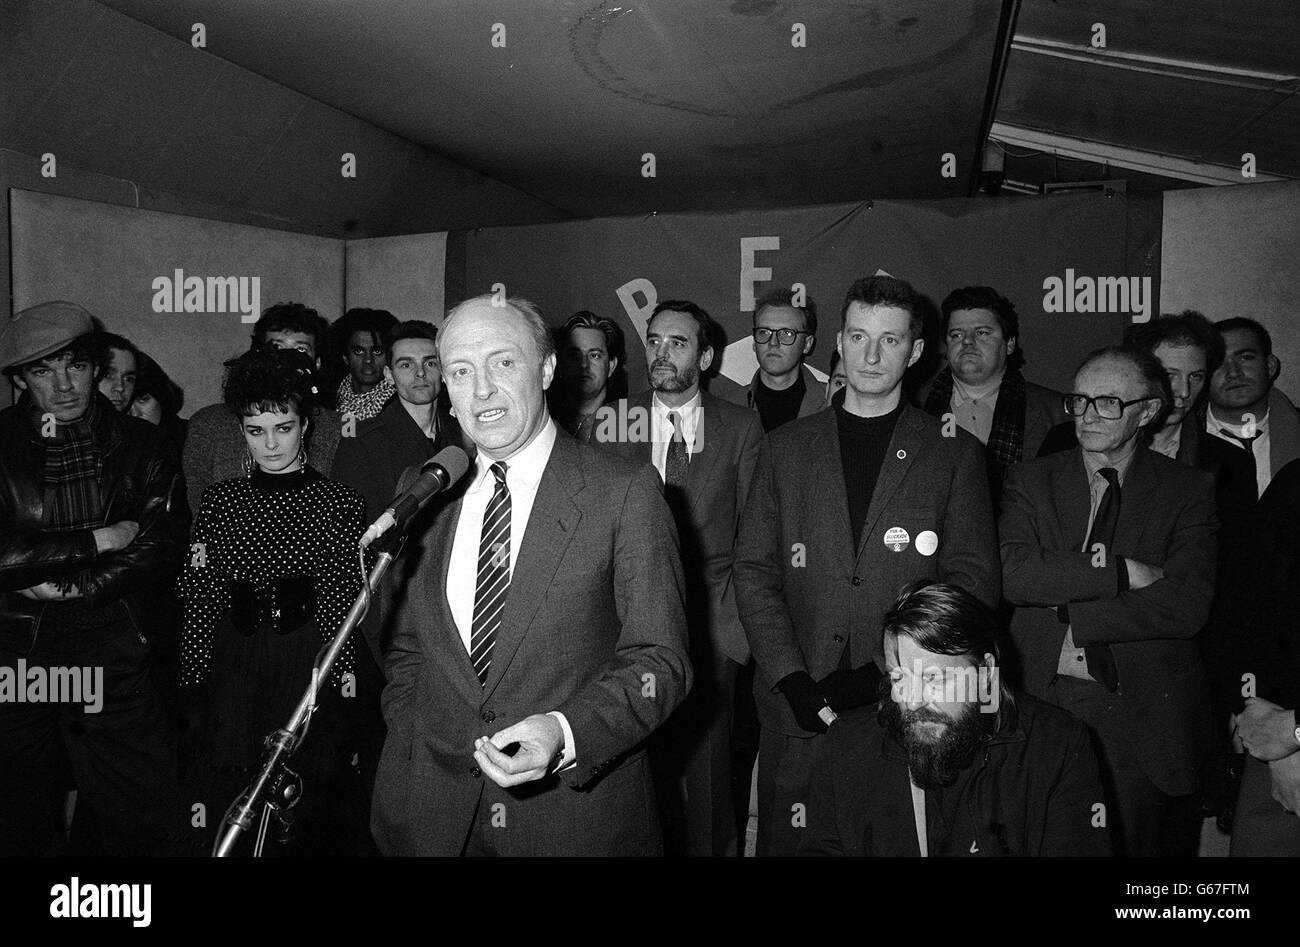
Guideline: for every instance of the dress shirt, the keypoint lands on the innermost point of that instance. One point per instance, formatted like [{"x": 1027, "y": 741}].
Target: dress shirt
[
  {"x": 1260, "y": 446},
  {"x": 973, "y": 405},
  {"x": 661, "y": 429},
  {"x": 918, "y": 816},
  {"x": 1073, "y": 663},
  {"x": 523, "y": 475}
]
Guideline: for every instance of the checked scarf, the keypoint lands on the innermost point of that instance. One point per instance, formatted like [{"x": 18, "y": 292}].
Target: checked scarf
[
  {"x": 73, "y": 465},
  {"x": 366, "y": 405},
  {"x": 1006, "y": 437}
]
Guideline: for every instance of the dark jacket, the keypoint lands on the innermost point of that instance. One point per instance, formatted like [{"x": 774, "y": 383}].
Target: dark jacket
[
  {"x": 139, "y": 482},
  {"x": 1254, "y": 629},
  {"x": 1031, "y": 791},
  {"x": 814, "y": 395},
  {"x": 717, "y": 483},
  {"x": 804, "y": 593},
  {"x": 372, "y": 463},
  {"x": 1166, "y": 519}
]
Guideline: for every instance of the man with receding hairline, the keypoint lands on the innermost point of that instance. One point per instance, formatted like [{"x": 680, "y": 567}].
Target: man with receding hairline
[
  {"x": 1108, "y": 554},
  {"x": 542, "y": 635}
]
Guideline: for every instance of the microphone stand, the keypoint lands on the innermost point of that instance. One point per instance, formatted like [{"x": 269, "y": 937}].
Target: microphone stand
[{"x": 275, "y": 775}]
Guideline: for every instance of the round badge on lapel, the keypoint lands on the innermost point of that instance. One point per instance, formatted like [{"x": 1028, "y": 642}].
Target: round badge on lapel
[
  {"x": 897, "y": 539},
  {"x": 902, "y": 454},
  {"x": 927, "y": 543}
]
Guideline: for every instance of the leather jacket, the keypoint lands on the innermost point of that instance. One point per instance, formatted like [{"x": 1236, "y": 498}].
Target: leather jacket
[{"x": 139, "y": 481}]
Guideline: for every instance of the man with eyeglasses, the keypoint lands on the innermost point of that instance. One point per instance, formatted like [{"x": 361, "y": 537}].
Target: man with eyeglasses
[
  {"x": 1108, "y": 554},
  {"x": 784, "y": 334}
]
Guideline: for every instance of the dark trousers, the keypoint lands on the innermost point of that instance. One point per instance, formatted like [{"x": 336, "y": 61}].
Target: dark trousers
[
  {"x": 1143, "y": 820},
  {"x": 122, "y": 758},
  {"x": 784, "y": 768},
  {"x": 691, "y": 758},
  {"x": 1262, "y": 827}
]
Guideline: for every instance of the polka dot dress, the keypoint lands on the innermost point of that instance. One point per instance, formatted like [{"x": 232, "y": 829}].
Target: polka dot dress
[{"x": 261, "y": 529}]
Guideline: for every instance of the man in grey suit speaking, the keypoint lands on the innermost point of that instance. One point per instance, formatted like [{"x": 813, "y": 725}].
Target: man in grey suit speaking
[{"x": 543, "y": 635}]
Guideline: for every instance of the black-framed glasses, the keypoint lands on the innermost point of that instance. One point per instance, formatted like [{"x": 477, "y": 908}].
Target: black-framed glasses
[
  {"x": 1109, "y": 408},
  {"x": 784, "y": 336}
]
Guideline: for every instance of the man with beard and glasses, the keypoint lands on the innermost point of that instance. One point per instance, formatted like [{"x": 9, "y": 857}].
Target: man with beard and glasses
[
  {"x": 981, "y": 769},
  {"x": 704, "y": 450},
  {"x": 590, "y": 349}
]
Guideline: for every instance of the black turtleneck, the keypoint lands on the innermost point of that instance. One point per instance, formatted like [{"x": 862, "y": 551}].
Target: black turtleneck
[
  {"x": 281, "y": 482},
  {"x": 863, "y": 442}
]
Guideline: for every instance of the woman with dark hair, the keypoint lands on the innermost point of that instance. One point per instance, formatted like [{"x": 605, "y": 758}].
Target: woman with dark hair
[
  {"x": 271, "y": 574},
  {"x": 158, "y": 400}
]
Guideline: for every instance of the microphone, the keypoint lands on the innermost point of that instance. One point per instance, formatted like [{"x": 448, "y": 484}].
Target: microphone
[{"x": 437, "y": 474}]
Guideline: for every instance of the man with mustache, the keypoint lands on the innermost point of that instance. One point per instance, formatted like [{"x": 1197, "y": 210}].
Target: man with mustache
[
  {"x": 984, "y": 770},
  {"x": 785, "y": 331},
  {"x": 704, "y": 451}
]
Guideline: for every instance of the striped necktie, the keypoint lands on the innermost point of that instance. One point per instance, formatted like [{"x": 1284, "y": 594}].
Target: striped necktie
[{"x": 493, "y": 575}]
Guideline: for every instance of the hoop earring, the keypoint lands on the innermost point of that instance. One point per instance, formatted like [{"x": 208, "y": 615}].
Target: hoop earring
[{"x": 302, "y": 457}]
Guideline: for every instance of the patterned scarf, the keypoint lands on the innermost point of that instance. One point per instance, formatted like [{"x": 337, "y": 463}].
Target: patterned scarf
[
  {"x": 1006, "y": 437},
  {"x": 366, "y": 405},
  {"x": 73, "y": 465}
]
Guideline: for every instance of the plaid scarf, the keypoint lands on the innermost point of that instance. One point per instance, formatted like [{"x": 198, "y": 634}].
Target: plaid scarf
[
  {"x": 1006, "y": 437},
  {"x": 73, "y": 466},
  {"x": 367, "y": 404}
]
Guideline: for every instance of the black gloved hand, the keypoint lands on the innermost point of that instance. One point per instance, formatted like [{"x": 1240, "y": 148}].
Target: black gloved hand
[
  {"x": 847, "y": 688},
  {"x": 805, "y": 699}
]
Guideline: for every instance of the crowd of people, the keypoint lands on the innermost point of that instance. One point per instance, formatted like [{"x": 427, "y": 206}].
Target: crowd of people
[{"x": 958, "y": 615}]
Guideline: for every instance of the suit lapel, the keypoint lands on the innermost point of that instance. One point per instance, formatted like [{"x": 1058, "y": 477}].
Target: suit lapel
[
  {"x": 551, "y": 526},
  {"x": 1137, "y": 496},
  {"x": 442, "y": 631},
  {"x": 826, "y": 469},
  {"x": 709, "y": 434},
  {"x": 904, "y": 447},
  {"x": 1073, "y": 500}
]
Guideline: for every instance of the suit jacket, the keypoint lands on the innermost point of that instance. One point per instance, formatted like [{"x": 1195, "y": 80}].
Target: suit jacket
[
  {"x": 708, "y": 514},
  {"x": 593, "y": 628},
  {"x": 1253, "y": 628},
  {"x": 814, "y": 397},
  {"x": 373, "y": 463},
  {"x": 1167, "y": 519},
  {"x": 1030, "y": 791},
  {"x": 804, "y": 592}
]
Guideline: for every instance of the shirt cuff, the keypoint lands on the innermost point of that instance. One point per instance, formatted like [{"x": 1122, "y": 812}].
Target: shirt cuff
[{"x": 570, "y": 754}]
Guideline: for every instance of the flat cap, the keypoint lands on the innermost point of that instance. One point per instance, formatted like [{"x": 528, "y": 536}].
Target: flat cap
[{"x": 42, "y": 330}]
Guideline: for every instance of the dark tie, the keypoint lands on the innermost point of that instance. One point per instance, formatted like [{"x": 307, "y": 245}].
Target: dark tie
[
  {"x": 493, "y": 575},
  {"x": 678, "y": 460},
  {"x": 1101, "y": 662},
  {"x": 1249, "y": 444}
]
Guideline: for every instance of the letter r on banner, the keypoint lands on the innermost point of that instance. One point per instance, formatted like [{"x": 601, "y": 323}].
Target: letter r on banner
[{"x": 751, "y": 274}]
